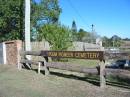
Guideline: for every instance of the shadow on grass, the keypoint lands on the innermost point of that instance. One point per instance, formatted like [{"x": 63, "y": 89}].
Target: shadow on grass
[
  {"x": 118, "y": 84},
  {"x": 36, "y": 70},
  {"x": 91, "y": 80},
  {"x": 94, "y": 79},
  {"x": 71, "y": 76},
  {"x": 118, "y": 81}
]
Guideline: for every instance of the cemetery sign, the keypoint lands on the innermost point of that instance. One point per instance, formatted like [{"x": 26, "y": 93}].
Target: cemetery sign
[{"x": 74, "y": 54}]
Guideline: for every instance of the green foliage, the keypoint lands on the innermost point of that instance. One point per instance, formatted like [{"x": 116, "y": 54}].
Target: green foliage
[
  {"x": 114, "y": 41},
  {"x": 57, "y": 35},
  {"x": 106, "y": 42},
  {"x": 47, "y": 11},
  {"x": 74, "y": 27},
  {"x": 74, "y": 36},
  {"x": 74, "y": 31},
  {"x": 83, "y": 35},
  {"x": 11, "y": 19},
  {"x": 12, "y": 16}
]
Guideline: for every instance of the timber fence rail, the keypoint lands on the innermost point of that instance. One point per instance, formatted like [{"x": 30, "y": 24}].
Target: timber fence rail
[{"x": 93, "y": 55}]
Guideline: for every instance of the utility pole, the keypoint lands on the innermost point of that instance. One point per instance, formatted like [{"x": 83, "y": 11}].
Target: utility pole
[{"x": 27, "y": 27}]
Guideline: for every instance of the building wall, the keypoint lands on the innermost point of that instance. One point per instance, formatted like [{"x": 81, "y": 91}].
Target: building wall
[{"x": 12, "y": 51}]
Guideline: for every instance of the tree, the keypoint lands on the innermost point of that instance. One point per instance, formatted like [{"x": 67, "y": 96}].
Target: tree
[
  {"x": 116, "y": 41},
  {"x": 106, "y": 42},
  {"x": 74, "y": 31},
  {"x": 83, "y": 35},
  {"x": 126, "y": 39},
  {"x": 57, "y": 35},
  {"x": 11, "y": 19},
  {"x": 45, "y": 12},
  {"x": 74, "y": 27}
]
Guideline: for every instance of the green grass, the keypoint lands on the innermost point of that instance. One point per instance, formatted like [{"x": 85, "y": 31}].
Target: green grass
[
  {"x": 84, "y": 62},
  {"x": 61, "y": 83},
  {"x": 118, "y": 81}
]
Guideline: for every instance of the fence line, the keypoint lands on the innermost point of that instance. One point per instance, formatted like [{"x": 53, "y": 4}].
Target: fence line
[{"x": 76, "y": 46}]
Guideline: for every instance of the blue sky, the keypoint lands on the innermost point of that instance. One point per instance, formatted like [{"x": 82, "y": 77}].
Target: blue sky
[{"x": 110, "y": 17}]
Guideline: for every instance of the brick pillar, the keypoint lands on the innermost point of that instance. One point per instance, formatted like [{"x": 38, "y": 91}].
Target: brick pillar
[{"x": 12, "y": 51}]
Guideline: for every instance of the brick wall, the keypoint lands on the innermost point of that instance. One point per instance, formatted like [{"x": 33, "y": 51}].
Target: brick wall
[{"x": 12, "y": 51}]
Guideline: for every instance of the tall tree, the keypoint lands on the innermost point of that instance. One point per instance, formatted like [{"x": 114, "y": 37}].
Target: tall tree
[
  {"x": 106, "y": 42},
  {"x": 12, "y": 16},
  {"x": 11, "y": 19},
  {"x": 83, "y": 35},
  {"x": 74, "y": 31},
  {"x": 116, "y": 41},
  {"x": 74, "y": 27},
  {"x": 47, "y": 11},
  {"x": 44, "y": 12}
]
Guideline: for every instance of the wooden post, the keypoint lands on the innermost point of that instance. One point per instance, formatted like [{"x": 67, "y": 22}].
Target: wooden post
[
  {"x": 102, "y": 74},
  {"x": 19, "y": 66},
  {"x": 39, "y": 67},
  {"x": 18, "y": 63},
  {"x": 46, "y": 68},
  {"x": 18, "y": 44}
]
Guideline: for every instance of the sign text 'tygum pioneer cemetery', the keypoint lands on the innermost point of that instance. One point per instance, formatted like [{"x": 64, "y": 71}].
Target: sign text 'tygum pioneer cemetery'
[{"x": 74, "y": 54}]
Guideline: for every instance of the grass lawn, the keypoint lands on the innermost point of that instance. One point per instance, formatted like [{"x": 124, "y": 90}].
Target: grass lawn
[
  {"x": 84, "y": 62},
  {"x": 27, "y": 83}
]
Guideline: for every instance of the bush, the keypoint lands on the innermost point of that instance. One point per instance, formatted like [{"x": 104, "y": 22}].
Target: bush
[{"x": 59, "y": 36}]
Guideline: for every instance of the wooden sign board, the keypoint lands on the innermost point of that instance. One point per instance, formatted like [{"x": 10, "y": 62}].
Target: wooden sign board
[{"x": 98, "y": 55}]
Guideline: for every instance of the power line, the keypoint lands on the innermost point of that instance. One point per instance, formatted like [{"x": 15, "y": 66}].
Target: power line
[{"x": 76, "y": 11}]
